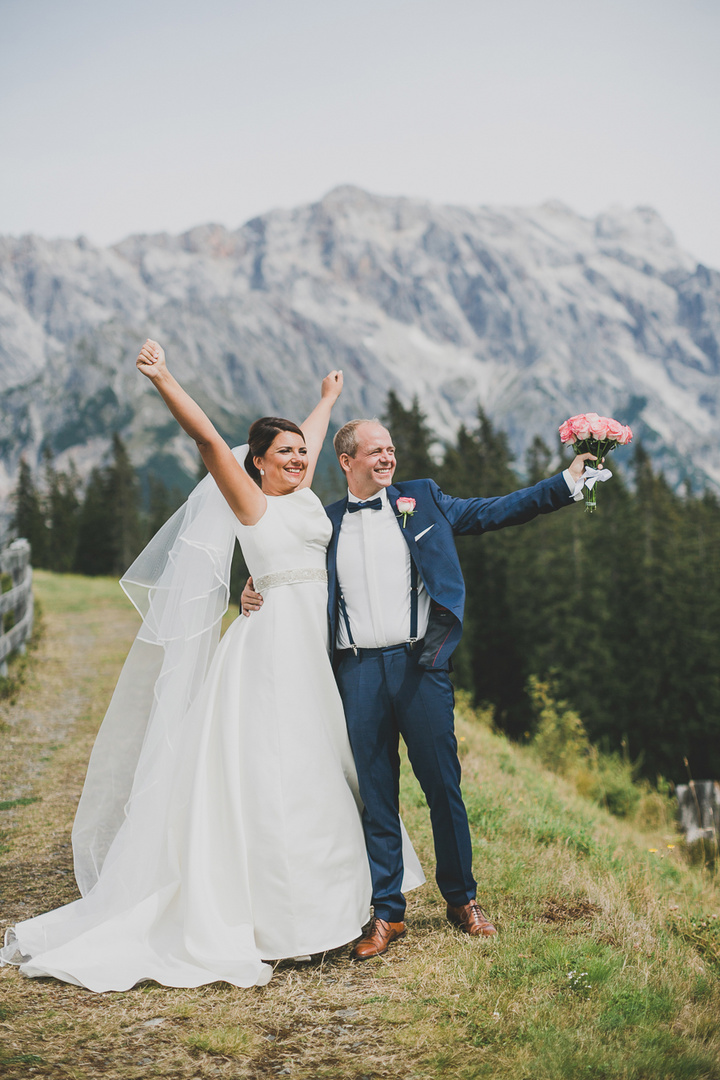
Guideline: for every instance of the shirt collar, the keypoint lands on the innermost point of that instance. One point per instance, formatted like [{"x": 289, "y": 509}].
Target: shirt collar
[{"x": 381, "y": 494}]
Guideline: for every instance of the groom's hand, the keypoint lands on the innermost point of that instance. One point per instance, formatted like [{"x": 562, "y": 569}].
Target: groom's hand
[
  {"x": 250, "y": 600},
  {"x": 577, "y": 468}
]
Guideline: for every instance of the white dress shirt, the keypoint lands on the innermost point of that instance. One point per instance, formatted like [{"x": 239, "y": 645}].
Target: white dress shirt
[
  {"x": 577, "y": 495},
  {"x": 373, "y": 569}
]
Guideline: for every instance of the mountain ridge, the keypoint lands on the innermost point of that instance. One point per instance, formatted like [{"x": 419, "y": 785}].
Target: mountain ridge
[{"x": 534, "y": 313}]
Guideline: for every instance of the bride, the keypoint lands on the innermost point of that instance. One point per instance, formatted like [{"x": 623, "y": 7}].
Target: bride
[{"x": 219, "y": 827}]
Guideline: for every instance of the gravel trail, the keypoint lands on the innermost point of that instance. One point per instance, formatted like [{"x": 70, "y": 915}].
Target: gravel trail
[{"x": 46, "y": 736}]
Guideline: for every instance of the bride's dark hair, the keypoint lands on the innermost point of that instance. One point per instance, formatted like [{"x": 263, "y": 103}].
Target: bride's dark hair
[{"x": 260, "y": 439}]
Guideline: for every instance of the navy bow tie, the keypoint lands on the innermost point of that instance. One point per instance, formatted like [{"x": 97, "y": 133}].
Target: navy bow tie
[{"x": 370, "y": 504}]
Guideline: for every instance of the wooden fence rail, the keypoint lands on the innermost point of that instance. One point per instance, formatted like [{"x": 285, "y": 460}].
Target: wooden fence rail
[{"x": 15, "y": 563}]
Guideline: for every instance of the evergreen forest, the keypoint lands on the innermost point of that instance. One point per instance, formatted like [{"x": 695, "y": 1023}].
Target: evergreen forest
[{"x": 618, "y": 611}]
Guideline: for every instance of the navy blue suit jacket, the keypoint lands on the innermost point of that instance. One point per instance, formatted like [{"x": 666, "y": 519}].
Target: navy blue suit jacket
[{"x": 429, "y": 534}]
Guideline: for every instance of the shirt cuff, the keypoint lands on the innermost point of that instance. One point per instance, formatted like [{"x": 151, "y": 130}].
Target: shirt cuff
[{"x": 571, "y": 486}]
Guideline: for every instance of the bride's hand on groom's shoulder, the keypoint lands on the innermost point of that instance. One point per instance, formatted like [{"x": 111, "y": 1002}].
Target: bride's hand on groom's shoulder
[
  {"x": 250, "y": 600},
  {"x": 332, "y": 385},
  {"x": 151, "y": 359}
]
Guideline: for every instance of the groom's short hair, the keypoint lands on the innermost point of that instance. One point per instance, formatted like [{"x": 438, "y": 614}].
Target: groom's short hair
[{"x": 346, "y": 440}]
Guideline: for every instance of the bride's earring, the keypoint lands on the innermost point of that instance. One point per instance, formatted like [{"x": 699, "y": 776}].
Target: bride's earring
[{"x": 262, "y": 472}]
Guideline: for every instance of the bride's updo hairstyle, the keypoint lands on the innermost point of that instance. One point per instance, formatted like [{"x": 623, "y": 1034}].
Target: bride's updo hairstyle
[{"x": 261, "y": 437}]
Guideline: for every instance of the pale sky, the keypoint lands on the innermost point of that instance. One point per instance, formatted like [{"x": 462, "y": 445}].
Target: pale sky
[{"x": 123, "y": 116}]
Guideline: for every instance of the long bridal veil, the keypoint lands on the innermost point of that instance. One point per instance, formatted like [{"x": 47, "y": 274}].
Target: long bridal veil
[{"x": 180, "y": 586}]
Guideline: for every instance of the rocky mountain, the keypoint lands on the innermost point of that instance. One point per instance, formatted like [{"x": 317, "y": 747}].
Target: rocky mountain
[{"x": 535, "y": 313}]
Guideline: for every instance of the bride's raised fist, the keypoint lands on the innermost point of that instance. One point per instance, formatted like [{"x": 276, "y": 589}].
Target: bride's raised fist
[
  {"x": 332, "y": 385},
  {"x": 151, "y": 359}
]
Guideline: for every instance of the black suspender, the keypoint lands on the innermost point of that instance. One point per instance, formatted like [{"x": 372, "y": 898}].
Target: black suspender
[
  {"x": 343, "y": 611},
  {"x": 413, "y": 600}
]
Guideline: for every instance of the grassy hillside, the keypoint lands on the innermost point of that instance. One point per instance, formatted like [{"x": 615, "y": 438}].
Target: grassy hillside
[{"x": 607, "y": 964}]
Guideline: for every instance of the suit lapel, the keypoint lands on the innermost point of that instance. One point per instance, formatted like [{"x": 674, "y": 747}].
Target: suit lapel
[
  {"x": 335, "y": 513},
  {"x": 393, "y": 495}
]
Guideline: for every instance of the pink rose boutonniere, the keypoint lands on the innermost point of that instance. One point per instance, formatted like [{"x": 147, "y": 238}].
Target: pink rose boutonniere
[
  {"x": 598, "y": 435},
  {"x": 405, "y": 508}
]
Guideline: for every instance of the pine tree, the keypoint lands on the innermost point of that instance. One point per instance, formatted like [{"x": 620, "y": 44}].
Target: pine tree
[
  {"x": 537, "y": 460},
  {"x": 110, "y": 531},
  {"x": 95, "y": 549},
  {"x": 28, "y": 519},
  {"x": 412, "y": 438},
  {"x": 62, "y": 506},
  {"x": 161, "y": 505},
  {"x": 564, "y": 579},
  {"x": 668, "y": 670},
  {"x": 480, "y": 463},
  {"x": 488, "y": 656},
  {"x": 123, "y": 496},
  {"x": 623, "y": 608}
]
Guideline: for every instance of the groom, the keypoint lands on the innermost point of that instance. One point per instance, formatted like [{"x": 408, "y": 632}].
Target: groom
[{"x": 395, "y": 604}]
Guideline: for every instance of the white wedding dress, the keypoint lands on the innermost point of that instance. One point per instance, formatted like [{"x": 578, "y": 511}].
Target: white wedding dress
[{"x": 241, "y": 840}]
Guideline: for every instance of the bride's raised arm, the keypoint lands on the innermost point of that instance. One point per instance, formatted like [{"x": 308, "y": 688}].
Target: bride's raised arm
[
  {"x": 242, "y": 494},
  {"x": 315, "y": 427}
]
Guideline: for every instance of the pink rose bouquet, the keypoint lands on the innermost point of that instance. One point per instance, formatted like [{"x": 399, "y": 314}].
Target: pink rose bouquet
[{"x": 598, "y": 435}]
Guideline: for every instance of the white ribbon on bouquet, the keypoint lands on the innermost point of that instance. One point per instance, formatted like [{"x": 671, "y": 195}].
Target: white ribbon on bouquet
[{"x": 590, "y": 477}]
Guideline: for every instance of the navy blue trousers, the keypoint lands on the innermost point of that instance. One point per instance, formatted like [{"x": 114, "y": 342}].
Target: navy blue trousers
[{"x": 387, "y": 694}]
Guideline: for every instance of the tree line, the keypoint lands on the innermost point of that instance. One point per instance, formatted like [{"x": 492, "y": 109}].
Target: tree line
[
  {"x": 96, "y": 528},
  {"x": 619, "y": 611}
]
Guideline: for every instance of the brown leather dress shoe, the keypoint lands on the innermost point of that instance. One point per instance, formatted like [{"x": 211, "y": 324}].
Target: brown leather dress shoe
[
  {"x": 376, "y": 938},
  {"x": 471, "y": 919}
]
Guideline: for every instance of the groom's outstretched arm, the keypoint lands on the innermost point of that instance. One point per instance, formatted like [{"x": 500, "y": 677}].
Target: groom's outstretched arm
[{"x": 487, "y": 514}]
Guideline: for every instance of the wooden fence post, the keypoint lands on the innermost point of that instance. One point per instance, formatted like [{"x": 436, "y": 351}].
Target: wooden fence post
[
  {"x": 15, "y": 562},
  {"x": 699, "y": 808}
]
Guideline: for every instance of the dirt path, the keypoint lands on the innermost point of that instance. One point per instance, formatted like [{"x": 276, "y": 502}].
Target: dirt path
[
  {"x": 307, "y": 1022},
  {"x": 46, "y": 735}
]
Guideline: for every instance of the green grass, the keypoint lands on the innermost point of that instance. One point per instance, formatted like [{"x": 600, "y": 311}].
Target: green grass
[
  {"x": 20, "y": 1059},
  {"x": 606, "y": 965},
  {"x": 69, "y": 594},
  {"x": 10, "y": 804}
]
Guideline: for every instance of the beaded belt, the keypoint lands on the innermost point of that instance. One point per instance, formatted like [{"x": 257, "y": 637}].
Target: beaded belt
[{"x": 289, "y": 577}]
